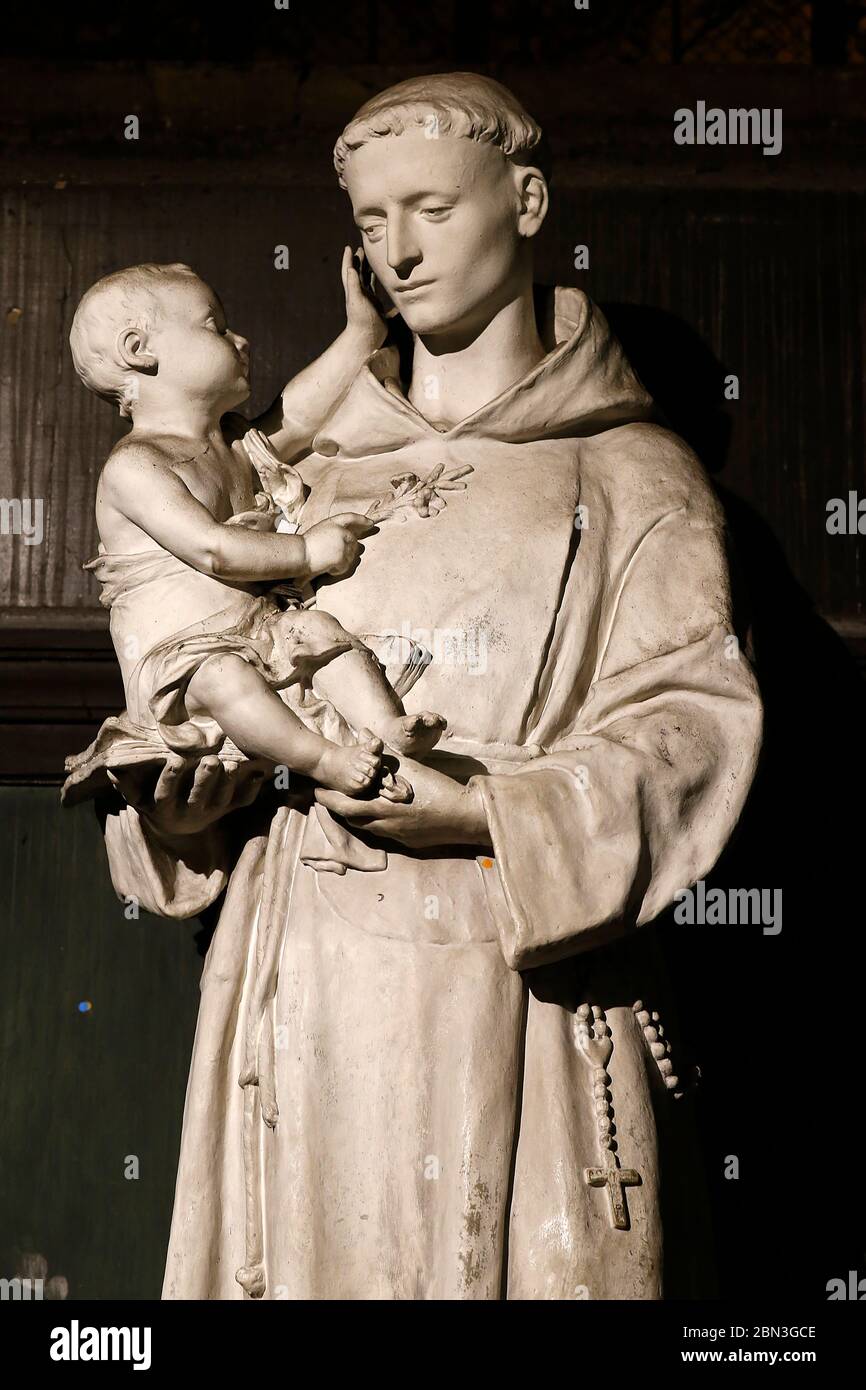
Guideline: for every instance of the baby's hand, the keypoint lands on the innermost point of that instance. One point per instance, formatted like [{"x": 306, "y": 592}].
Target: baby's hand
[
  {"x": 362, "y": 315},
  {"x": 333, "y": 546}
]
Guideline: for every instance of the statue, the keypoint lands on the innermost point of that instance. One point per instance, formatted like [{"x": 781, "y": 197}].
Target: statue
[{"x": 428, "y": 1062}]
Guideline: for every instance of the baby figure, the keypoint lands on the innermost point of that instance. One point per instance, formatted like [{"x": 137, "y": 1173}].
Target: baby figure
[{"x": 187, "y": 507}]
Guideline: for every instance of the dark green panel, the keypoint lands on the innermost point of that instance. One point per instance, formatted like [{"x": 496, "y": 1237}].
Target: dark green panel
[{"x": 81, "y": 1091}]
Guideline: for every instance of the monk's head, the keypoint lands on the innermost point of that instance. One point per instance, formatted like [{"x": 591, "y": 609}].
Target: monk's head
[{"x": 446, "y": 187}]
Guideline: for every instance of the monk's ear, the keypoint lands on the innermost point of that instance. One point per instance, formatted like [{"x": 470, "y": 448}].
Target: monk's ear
[
  {"x": 133, "y": 348},
  {"x": 534, "y": 199}
]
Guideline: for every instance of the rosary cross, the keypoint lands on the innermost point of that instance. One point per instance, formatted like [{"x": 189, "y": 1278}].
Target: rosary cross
[
  {"x": 596, "y": 1046},
  {"x": 615, "y": 1180}
]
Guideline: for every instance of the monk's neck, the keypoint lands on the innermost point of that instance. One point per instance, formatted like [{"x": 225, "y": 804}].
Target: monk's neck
[{"x": 450, "y": 381}]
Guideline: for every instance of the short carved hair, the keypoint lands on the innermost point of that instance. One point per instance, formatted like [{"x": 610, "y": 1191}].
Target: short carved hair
[
  {"x": 125, "y": 299},
  {"x": 460, "y": 103}
]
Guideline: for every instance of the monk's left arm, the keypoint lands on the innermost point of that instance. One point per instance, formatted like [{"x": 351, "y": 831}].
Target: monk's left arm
[
  {"x": 309, "y": 398},
  {"x": 595, "y": 837}
]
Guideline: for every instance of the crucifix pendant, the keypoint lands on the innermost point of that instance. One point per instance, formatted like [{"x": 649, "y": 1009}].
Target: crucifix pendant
[
  {"x": 596, "y": 1045},
  {"x": 616, "y": 1180}
]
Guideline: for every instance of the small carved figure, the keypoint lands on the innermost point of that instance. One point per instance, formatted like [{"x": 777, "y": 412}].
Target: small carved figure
[{"x": 193, "y": 507}]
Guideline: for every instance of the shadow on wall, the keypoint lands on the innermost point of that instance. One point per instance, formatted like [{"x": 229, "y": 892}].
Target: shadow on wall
[{"x": 773, "y": 1019}]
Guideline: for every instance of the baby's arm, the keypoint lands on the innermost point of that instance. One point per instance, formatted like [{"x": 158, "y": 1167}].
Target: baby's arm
[
  {"x": 138, "y": 482},
  {"x": 309, "y": 398}
]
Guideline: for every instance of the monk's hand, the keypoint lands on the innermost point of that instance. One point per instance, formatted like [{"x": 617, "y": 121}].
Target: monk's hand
[
  {"x": 364, "y": 323},
  {"x": 189, "y": 796},
  {"x": 441, "y": 812}
]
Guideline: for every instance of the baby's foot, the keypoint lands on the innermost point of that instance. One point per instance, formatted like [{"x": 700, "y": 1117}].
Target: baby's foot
[
  {"x": 351, "y": 770},
  {"x": 414, "y": 734}
]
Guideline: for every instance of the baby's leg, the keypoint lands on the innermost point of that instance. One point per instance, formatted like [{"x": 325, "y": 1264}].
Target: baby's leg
[
  {"x": 231, "y": 691},
  {"x": 356, "y": 685}
]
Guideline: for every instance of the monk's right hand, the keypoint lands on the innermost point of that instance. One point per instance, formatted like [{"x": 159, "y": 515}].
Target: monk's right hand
[
  {"x": 334, "y": 546},
  {"x": 188, "y": 797}
]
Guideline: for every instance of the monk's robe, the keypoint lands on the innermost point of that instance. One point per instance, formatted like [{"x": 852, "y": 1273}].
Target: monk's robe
[{"x": 417, "y": 1116}]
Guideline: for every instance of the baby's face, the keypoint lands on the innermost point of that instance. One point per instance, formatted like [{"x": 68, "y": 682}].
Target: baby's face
[{"x": 194, "y": 348}]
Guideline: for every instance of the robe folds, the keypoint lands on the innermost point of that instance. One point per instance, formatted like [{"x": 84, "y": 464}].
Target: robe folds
[{"x": 416, "y": 1117}]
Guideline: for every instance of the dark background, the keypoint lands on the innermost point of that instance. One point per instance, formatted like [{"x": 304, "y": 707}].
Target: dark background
[{"x": 708, "y": 261}]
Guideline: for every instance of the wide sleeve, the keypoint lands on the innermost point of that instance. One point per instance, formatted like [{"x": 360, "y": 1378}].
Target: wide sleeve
[
  {"x": 597, "y": 835},
  {"x": 172, "y": 879}
]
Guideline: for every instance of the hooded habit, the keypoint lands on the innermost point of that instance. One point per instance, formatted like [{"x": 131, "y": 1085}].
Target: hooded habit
[{"x": 444, "y": 1062}]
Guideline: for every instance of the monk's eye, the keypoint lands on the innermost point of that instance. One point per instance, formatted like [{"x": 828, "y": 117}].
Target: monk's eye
[{"x": 373, "y": 231}]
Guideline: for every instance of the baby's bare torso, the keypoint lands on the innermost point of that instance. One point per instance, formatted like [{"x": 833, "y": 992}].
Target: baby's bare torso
[{"x": 221, "y": 478}]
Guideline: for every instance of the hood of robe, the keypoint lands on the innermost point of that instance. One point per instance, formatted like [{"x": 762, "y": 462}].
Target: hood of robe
[{"x": 582, "y": 386}]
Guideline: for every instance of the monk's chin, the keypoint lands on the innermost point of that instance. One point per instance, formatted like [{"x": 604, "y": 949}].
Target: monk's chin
[
  {"x": 454, "y": 322},
  {"x": 427, "y": 317}
]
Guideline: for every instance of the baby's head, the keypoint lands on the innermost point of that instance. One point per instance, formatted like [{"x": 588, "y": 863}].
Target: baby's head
[{"x": 163, "y": 322}]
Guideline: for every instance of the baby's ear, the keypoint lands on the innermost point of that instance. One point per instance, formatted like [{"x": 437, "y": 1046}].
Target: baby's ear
[{"x": 132, "y": 348}]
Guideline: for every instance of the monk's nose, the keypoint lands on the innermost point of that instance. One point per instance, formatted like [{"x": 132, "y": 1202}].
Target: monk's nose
[{"x": 404, "y": 253}]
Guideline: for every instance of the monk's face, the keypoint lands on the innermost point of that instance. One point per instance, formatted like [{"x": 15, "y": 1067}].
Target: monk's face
[{"x": 441, "y": 226}]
